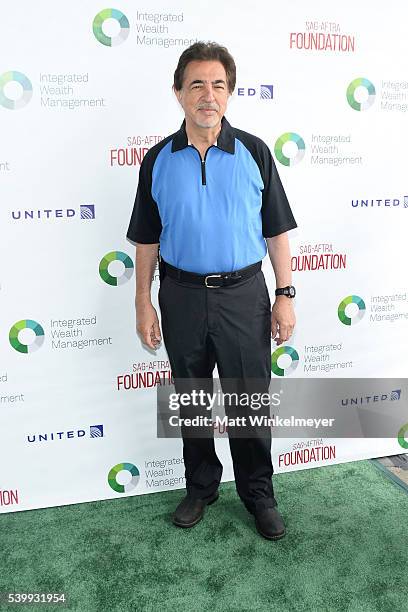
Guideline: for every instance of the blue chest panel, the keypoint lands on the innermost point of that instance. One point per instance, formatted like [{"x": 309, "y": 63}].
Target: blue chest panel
[{"x": 211, "y": 227}]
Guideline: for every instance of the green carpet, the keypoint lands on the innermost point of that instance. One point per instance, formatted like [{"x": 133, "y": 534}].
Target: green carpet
[{"x": 345, "y": 550}]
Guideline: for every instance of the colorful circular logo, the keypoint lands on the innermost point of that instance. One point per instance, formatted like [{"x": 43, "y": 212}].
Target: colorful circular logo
[
  {"x": 127, "y": 270},
  {"x": 282, "y": 140},
  {"x": 112, "y": 477},
  {"x": 284, "y": 350},
  {"x": 27, "y": 92},
  {"x": 98, "y": 22},
  {"x": 26, "y": 324},
  {"x": 341, "y": 311},
  {"x": 401, "y": 436},
  {"x": 351, "y": 89}
]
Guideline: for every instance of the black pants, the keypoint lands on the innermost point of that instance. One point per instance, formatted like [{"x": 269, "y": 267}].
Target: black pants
[{"x": 230, "y": 327}]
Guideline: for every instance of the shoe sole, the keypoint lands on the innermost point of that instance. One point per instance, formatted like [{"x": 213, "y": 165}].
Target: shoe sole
[
  {"x": 269, "y": 537},
  {"x": 187, "y": 525}
]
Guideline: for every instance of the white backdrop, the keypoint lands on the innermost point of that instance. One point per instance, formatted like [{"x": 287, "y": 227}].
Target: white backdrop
[{"x": 79, "y": 107}]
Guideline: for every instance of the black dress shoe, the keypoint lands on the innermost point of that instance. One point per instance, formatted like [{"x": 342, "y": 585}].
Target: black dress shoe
[
  {"x": 269, "y": 523},
  {"x": 191, "y": 510}
]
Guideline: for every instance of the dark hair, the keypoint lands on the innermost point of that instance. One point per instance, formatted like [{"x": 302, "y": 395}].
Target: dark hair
[{"x": 202, "y": 51}]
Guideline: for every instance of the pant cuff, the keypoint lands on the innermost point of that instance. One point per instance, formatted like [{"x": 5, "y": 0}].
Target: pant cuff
[{"x": 261, "y": 504}]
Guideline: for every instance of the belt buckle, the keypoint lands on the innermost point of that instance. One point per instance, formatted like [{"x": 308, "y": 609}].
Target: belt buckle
[{"x": 212, "y": 276}]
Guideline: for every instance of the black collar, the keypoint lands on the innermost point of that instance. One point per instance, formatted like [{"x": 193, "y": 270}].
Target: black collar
[{"x": 225, "y": 140}]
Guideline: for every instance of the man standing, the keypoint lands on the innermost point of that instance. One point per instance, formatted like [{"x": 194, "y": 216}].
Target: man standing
[{"x": 210, "y": 196}]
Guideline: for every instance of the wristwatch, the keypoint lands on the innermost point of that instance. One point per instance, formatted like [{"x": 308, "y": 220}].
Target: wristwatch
[{"x": 289, "y": 291}]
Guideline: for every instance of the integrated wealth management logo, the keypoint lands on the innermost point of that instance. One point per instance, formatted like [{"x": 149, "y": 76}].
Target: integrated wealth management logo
[
  {"x": 350, "y": 315},
  {"x": 108, "y": 275},
  {"x": 26, "y": 342},
  {"x": 280, "y": 370},
  {"x": 365, "y": 91},
  {"x": 99, "y": 27},
  {"x": 20, "y": 84},
  {"x": 123, "y": 487},
  {"x": 294, "y": 146},
  {"x": 403, "y": 442}
]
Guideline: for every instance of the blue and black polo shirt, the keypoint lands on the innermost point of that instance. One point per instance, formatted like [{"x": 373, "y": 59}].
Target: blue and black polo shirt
[{"x": 210, "y": 215}]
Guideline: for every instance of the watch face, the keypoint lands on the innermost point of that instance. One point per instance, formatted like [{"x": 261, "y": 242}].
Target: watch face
[{"x": 292, "y": 292}]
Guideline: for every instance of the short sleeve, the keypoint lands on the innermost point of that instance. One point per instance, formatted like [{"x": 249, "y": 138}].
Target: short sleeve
[
  {"x": 145, "y": 224},
  {"x": 276, "y": 213}
]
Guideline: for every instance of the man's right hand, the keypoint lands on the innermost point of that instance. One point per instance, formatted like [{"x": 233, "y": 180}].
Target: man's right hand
[{"x": 147, "y": 324}]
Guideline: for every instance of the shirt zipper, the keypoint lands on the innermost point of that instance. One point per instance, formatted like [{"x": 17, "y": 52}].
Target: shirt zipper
[
  {"x": 203, "y": 175},
  {"x": 203, "y": 171}
]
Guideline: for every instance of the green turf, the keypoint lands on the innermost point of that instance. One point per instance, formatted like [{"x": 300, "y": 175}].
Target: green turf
[{"x": 346, "y": 550}]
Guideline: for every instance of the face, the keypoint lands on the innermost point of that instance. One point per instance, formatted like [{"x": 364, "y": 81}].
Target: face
[{"x": 204, "y": 94}]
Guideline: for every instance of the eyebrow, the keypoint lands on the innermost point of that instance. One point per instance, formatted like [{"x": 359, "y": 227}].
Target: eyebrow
[{"x": 213, "y": 82}]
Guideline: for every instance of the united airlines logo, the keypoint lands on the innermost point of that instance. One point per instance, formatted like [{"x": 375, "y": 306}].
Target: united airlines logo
[
  {"x": 87, "y": 211},
  {"x": 95, "y": 431},
  {"x": 267, "y": 92},
  {"x": 362, "y": 400},
  {"x": 264, "y": 92},
  {"x": 394, "y": 203}
]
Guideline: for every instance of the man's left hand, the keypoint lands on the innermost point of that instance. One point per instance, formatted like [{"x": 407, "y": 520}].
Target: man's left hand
[{"x": 283, "y": 319}]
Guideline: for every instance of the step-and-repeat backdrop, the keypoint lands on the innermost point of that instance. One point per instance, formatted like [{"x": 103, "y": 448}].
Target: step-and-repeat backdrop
[{"x": 85, "y": 91}]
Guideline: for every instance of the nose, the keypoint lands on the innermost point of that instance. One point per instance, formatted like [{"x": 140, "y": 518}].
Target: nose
[{"x": 208, "y": 93}]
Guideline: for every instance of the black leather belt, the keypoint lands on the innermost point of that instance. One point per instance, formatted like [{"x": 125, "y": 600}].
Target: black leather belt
[{"x": 211, "y": 281}]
